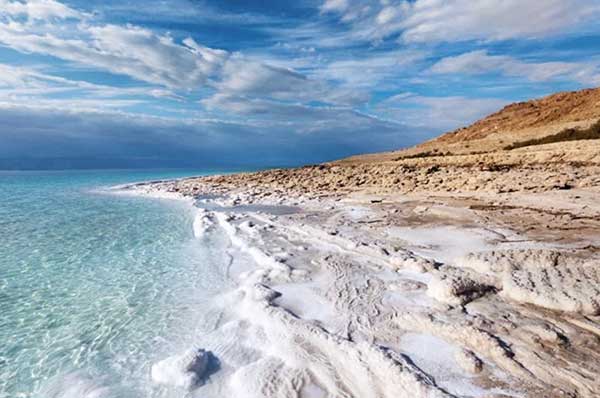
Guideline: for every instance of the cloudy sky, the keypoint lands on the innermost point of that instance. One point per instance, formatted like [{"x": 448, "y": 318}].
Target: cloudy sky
[{"x": 193, "y": 83}]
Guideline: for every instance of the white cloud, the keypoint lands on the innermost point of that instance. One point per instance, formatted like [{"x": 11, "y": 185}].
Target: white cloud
[
  {"x": 250, "y": 87},
  {"x": 127, "y": 50},
  {"x": 242, "y": 77},
  {"x": 293, "y": 114},
  {"x": 160, "y": 60},
  {"x": 334, "y": 5},
  {"x": 370, "y": 70},
  {"x": 443, "y": 20},
  {"x": 38, "y": 9},
  {"x": 443, "y": 113},
  {"x": 480, "y": 62},
  {"x": 386, "y": 15},
  {"x": 12, "y": 77},
  {"x": 458, "y": 20},
  {"x": 23, "y": 86},
  {"x": 154, "y": 58}
]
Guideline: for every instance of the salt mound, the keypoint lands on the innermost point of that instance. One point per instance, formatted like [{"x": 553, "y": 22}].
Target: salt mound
[
  {"x": 547, "y": 278},
  {"x": 202, "y": 222},
  {"x": 468, "y": 361},
  {"x": 411, "y": 262},
  {"x": 186, "y": 370},
  {"x": 570, "y": 287},
  {"x": 299, "y": 352},
  {"x": 458, "y": 286}
]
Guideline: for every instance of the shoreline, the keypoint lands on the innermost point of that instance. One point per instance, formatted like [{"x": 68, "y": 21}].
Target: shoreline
[{"x": 471, "y": 293}]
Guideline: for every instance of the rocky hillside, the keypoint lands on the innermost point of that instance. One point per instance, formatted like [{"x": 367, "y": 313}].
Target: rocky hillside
[
  {"x": 568, "y": 108},
  {"x": 566, "y": 116}
]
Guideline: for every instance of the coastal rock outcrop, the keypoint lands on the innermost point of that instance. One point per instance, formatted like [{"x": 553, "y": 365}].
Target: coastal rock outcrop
[
  {"x": 186, "y": 370},
  {"x": 458, "y": 287}
]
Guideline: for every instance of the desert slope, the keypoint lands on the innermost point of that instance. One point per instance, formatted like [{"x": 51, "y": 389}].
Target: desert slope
[{"x": 544, "y": 120}]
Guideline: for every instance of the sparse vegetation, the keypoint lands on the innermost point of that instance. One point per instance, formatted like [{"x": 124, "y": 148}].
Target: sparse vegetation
[
  {"x": 571, "y": 134},
  {"x": 416, "y": 155},
  {"x": 425, "y": 154}
]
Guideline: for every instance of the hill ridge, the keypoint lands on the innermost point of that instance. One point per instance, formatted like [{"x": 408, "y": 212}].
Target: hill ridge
[{"x": 540, "y": 120}]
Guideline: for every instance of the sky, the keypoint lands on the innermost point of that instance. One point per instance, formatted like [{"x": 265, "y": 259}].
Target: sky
[{"x": 198, "y": 83}]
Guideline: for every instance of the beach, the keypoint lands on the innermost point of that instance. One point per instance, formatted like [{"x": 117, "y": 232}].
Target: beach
[
  {"x": 470, "y": 279},
  {"x": 300, "y": 199}
]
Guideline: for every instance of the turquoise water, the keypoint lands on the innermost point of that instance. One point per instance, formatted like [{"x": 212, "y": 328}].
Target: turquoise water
[{"x": 95, "y": 287}]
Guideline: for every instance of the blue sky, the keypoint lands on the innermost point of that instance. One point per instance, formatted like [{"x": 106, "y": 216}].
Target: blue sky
[{"x": 192, "y": 83}]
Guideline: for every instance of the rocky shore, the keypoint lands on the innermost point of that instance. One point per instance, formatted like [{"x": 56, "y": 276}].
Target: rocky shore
[
  {"x": 497, "y": 266},
  {"x": 421, "y": 273}
]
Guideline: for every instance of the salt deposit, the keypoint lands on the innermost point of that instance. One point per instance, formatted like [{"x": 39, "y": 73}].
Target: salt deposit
[
  {"x": 185, "y": 370},
  {"x": 345, "y": 301}
]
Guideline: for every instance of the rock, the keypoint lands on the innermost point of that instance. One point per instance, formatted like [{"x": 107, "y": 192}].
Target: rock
[
  {"x": 407, "y": 285},
  {"x": 457, "y": 287},
  {"x": 185, "y": 371},
  {"x": 545, "y": 332},
  {"x": 260, "y": 292},
  {"x": 546, "y": 278},
  {"x": 402, "y": 261},
  {"x": 468, "y": 361}
]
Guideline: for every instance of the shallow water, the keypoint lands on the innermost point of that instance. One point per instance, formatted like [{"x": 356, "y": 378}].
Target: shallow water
[{"x": 96, "y": 287}]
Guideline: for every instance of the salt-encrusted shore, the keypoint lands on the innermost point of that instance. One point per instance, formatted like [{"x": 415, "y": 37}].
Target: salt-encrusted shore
[
  {"x": 488, "y": 289},
  {"x": 466, "y": 266}
]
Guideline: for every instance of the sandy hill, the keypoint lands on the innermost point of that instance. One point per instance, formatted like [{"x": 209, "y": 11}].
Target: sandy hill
[{"x": 561, "y": 117}]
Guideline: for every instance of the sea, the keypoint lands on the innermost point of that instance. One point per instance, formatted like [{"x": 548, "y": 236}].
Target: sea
[{"x": 96, "y": 286}]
